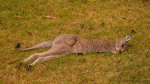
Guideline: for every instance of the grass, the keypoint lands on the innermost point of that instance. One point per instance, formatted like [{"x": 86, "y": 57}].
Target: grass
[{"x": 25, "y": 21}]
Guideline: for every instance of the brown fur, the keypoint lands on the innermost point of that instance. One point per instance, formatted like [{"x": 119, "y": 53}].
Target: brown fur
[{"x": 68, "y": 43}]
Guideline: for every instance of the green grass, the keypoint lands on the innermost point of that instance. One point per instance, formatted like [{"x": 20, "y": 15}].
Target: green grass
[{"x": 25, "y": 21}]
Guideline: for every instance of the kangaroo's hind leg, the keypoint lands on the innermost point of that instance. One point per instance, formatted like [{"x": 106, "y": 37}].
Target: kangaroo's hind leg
[
  {"x": 55, "y": 53},
  {"x": 36, "y": 55},
  {"x": 52, "y": 53}
]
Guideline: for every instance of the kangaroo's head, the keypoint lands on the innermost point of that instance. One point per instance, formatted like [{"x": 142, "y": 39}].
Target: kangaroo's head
[{"x": 122, "y": 44}]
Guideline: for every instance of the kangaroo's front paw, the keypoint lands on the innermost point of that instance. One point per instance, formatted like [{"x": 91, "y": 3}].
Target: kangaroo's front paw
[
  {"x": 28, "y": 68},
  {"x": 114, "y": 52},
  {"x": 19, "y": 65}
]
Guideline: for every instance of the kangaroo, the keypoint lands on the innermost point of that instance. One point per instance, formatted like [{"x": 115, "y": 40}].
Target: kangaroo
[{"x": 68, "y": 43}]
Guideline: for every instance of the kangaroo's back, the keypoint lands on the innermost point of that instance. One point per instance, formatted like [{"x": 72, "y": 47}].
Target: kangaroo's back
[{"x": 85, "y": 45}]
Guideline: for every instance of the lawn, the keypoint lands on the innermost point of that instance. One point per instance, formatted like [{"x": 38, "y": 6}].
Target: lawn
[{"x": 33, "y": 21}]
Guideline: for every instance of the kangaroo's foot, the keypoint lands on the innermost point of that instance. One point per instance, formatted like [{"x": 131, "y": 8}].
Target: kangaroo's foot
[
  {"x": 28, "y": 68},
  {"x": 19, "y": 65}
]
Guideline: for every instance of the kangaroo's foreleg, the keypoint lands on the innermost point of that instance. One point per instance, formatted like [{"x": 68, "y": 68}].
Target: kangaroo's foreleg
[{"x": 40, "y": 45}]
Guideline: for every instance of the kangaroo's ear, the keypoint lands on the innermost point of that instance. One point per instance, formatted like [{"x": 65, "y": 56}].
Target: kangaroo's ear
[{"x": 127, "y": 38}]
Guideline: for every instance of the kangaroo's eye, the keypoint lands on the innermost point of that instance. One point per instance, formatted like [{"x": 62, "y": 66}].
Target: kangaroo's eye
[{"x": 122, "y": 46}]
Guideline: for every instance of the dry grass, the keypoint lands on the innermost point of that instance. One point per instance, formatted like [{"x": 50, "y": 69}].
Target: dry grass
[{"x": 25, "y": 21}]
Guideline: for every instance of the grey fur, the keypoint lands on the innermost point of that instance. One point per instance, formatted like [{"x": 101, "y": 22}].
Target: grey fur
[
  {"x": 68, "y": 43},
  {"x": 127, "y": 38}
]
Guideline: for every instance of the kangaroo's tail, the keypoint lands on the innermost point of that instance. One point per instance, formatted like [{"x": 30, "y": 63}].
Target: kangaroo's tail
[{"x": 45, "y": 44}]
